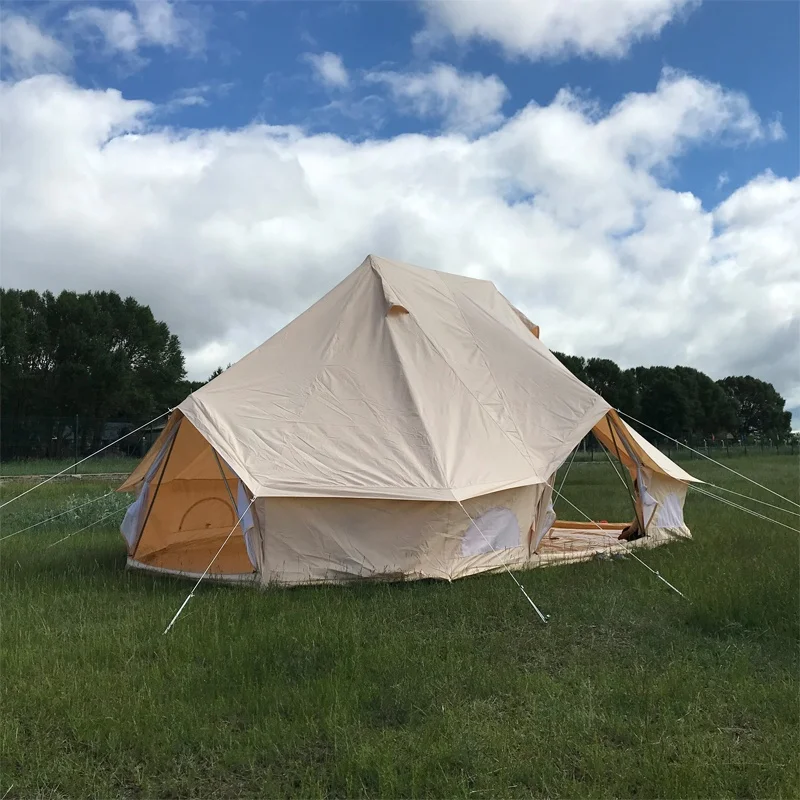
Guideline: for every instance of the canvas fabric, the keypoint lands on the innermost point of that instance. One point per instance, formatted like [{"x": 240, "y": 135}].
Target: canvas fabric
[
  {"x": 401, "y": 383},
  {"x": 334, "y": 540},
  {"x": 408, "y": 425},
  {"x": 190, "y": 512}
]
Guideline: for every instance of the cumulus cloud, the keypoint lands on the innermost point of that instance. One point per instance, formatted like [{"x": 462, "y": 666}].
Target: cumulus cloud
[
  {"x": 153, "y": 23},
  {"x": 329, "y": 69},
  {"x": 27, "y": 50},
  {"x": 228, "y": 234},
  {"x": 467, "y": 102},
  {"x": 550, "y": 28}
]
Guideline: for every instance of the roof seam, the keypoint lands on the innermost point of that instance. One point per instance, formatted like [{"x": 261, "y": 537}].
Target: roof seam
[
  {"x": 411, "y": 394},
  {"x": 458, "y": 377}
]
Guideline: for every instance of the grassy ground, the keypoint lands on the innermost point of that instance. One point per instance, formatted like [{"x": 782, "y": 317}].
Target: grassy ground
[
  {"x": 50, "y": 467},
  {"x": 418, "y": 689}
]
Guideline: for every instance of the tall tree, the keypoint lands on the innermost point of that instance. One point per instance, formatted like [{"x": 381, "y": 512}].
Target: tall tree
[
  {"x": 760, "y": 409},
  {"x": 94, "y": 355},
  {"x": 713, "y": 412},
  {"x": 615, "y": 386},
  {"x": 666, "y": 405},
  {"x": 575, "y": 364}
]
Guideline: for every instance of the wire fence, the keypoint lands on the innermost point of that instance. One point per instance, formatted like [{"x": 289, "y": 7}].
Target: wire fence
[
  {"x": 27, "y": 442},
  {"x": 39, "y": 445},
  {"x": 717, "y": 449}
]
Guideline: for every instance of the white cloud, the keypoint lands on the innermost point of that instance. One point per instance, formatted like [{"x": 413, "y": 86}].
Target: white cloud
[
  {"x": 27, "y": 50},
  {"x": 776, "y": 131},
  {"x": 723, "y": 179},
  {"x": 117, "y": 29},
  {"x": 329, "y": 69},
  {"x": 467, "y": 102},
  {"x": 154, "y": 23},
  {"x": 550, "y": 28},
  {"x": 229, "y": 234},
  {"x": 196, "y": 96}
]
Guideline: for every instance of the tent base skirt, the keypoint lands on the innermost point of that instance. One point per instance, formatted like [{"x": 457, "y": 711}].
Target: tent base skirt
[
  {"x": 243, "y": 578},
  {"x": 566, "y": 543}
]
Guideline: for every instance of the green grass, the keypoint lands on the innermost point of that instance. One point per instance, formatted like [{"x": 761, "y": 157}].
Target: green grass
[
  {"x": 408, "y": 690},
  {"x": 93, "y": 466}
]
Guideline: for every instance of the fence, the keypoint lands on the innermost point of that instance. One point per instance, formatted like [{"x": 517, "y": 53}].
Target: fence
[
  {"x": 718, "y": 449},
  {"x": 69, "y": 439},
  {"x": 73, "y": 438}
]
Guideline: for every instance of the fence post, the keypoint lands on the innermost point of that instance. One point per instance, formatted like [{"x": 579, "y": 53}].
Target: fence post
[{"x": 75, "y": 437}]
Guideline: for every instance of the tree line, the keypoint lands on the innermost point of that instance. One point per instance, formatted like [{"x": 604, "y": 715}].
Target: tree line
[
  {"x": 99, "y": 357},
  {"x": 687, "y": 404}
]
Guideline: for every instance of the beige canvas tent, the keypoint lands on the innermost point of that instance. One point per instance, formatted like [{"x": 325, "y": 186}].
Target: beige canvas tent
[{"x": 408, "y": 425}]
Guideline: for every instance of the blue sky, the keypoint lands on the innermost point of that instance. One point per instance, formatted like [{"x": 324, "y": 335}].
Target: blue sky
[
  {"x": 640, "y": 149},
  {"x": 254, "y": 59}
]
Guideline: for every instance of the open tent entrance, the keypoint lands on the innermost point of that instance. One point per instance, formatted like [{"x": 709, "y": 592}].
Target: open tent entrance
[
  {"x": 654, "y": 486},
  {"x": 187, "y": 502}
]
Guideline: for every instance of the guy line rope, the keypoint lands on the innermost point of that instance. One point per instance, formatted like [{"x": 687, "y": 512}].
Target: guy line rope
[
  {"x": 77, "y": 463},
  {"x": 56, "y": 516},
  {"x": 210, "y": 564},
  {"x": 86, "y": 527},
  {"x": 713, "y": 460},
  {"x": 605, "y": 533},
  {"x": 542, "y": 617}
]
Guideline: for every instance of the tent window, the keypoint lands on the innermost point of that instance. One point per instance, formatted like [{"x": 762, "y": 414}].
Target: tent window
[{"x": 495, "y": 529}]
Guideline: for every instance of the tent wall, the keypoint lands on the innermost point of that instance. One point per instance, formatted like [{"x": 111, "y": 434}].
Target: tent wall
[
  {"x": 324, "y": 540},
  {"x": 191, "y": 512},
  {"x": 668, "y": 497},
  {"x": 662, "y": 483}
]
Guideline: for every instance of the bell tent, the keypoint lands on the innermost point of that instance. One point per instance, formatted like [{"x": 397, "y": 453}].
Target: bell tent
[{"x": 407, "y": 425}]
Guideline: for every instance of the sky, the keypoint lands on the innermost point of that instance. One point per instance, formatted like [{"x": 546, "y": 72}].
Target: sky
[{"x": 627, "y": 172}]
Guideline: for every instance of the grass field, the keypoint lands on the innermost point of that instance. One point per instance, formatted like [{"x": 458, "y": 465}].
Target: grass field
[
  {"x": 100, "y": 464},
  {"x": 407, "y": 690}
]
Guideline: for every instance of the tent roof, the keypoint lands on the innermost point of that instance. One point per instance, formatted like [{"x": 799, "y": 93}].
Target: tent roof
[
  {"x": 649, "y": 455},
  {"x": 400, "y": 382}
]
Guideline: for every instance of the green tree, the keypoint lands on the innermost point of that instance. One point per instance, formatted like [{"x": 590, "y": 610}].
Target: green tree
[
  {"x": 95, "y": 355},
  {"x": 575, "y": 364},
  {"x": 217, "y": 372},
  {"x": 665, "y": 403},
  {"x": 760, "y": 409},
  {"x": 712, "y": 410},
  {"x": 614, "y": 385}
]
